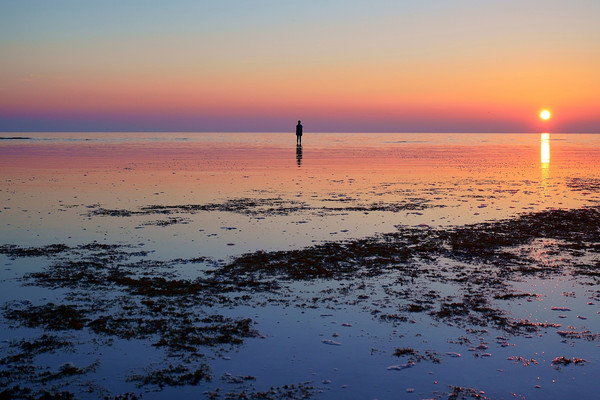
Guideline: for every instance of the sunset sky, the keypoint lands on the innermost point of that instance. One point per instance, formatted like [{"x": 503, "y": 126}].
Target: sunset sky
[{"x": 339, "y": 66}]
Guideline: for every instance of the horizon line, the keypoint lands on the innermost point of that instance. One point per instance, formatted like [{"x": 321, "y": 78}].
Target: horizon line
[{"x": 291, "y": 132}]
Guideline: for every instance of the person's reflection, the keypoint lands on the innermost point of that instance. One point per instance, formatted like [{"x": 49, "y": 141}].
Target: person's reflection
[{"x": 299, "y": 155}]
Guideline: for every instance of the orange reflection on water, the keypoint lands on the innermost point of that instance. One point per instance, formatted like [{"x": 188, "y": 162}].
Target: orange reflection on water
[
  {"x": 545, "y": 163},
  {"x": 545, "y": 149},
  {"x": 448, "y": 173}
]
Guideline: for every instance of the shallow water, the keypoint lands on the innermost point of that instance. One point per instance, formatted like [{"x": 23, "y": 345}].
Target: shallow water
[
  {"x": 220, "y": 195},
  {"x": 52, "y": 180}
]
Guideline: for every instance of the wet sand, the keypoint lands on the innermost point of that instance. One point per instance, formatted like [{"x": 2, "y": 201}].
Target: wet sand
[{"x": 213, "y": 271}]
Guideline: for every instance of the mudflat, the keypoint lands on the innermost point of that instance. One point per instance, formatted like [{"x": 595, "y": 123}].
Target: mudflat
[{"x": 365, "y": 266}]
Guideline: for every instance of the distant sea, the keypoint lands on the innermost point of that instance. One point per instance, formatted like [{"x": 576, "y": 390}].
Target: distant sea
[{"x": 358, "y": 265}]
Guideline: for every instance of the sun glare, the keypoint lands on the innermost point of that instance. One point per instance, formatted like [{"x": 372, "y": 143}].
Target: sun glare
[
  {"x": 545, "y": 141},
  {"x": 545, "y": 115}
]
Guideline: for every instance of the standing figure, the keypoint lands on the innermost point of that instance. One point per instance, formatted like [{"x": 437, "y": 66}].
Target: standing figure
[{"x": 299, "y": 133}]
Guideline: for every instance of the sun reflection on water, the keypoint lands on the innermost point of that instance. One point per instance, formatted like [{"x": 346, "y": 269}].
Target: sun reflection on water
[
  {"x": 545, "y": 163},
  {"x": 545, "y": 152}
]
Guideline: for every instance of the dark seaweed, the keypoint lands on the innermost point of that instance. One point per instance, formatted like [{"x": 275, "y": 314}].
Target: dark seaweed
[
  {"x": 415, "y": 356},
  {"x": 49, "y": 316},
  {"x": 291, "y": 392},
  {"x": 462, "y": 393},
  {"x": 179, "y": 375},
  {"x": 260, "y": 207},
  {"x": 152, "y": 304}
]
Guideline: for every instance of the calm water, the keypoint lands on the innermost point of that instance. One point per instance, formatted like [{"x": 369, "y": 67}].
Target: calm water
[
  {"x": 53, "y": 187},
  {"x": 48, "y": 181}
]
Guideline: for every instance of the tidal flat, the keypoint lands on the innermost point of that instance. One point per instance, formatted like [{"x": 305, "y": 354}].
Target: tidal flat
[{"x": 236, "y": 266}]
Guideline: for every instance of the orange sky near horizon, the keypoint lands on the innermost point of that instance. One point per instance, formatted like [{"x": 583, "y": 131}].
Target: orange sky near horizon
[{"x": 460, "y": 64}]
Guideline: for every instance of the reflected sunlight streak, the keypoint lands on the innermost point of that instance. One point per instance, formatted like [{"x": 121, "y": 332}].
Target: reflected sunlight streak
[{"x": 545, "y": 149}]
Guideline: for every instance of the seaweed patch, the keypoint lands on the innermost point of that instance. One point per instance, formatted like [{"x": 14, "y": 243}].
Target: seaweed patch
[{"x": 148, "y": 302}]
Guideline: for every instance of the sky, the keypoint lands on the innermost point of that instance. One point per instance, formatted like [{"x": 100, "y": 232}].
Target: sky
[{"x": 339, "y": 66}]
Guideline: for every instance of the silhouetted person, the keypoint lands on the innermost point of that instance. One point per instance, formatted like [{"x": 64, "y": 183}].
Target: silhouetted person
[
  {"x": 299, "y": 133},
  {"x": 299, "y": 155}
]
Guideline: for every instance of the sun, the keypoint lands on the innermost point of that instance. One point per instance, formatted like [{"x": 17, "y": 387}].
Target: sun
[{"x": 545, "y": 115}]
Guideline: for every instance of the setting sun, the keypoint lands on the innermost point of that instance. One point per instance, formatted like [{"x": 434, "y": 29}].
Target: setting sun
[
  {"x": 545, "y": 115},
  {"x": 385, "y": 163}
]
